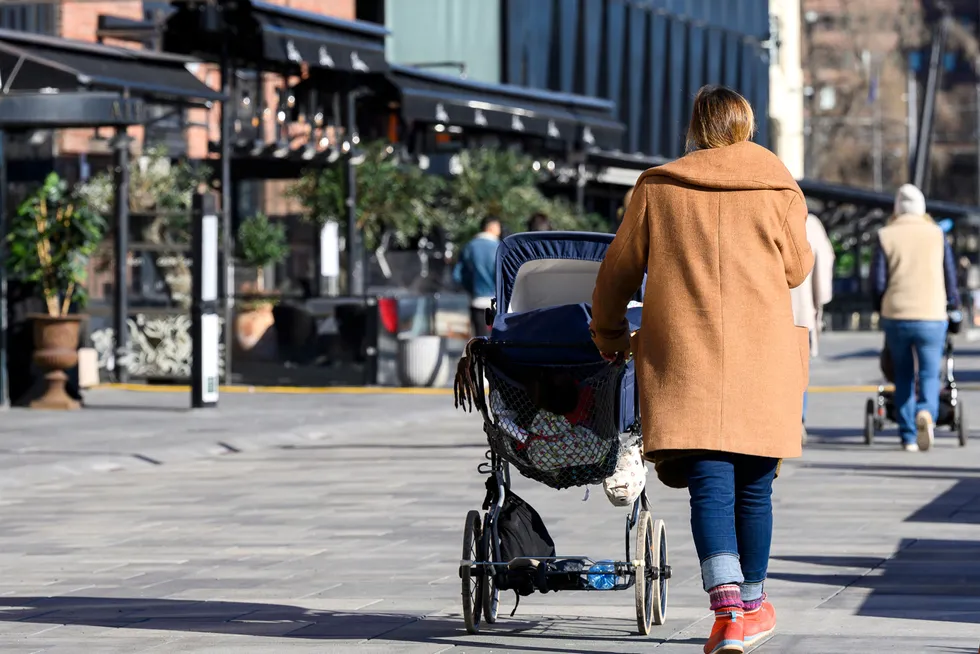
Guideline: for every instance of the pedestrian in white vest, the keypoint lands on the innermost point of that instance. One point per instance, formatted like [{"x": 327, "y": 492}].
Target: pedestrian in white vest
[{"x": 817, "y": 290}]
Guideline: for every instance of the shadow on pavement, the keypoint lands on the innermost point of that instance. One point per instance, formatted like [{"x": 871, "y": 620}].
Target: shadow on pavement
[
  {"x": 922, "y": 472},
  {"x": 925, "y": 579},
  {"x": 284, "y": 621},
  {"x": 868, "y": 353},
  {"x": 958, "y": 505}
]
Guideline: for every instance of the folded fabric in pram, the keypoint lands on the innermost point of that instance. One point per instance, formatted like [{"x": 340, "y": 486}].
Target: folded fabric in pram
[{"x": 551, "y": 442}]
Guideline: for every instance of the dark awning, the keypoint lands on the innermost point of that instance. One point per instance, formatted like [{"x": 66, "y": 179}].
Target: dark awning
[
  {"x": 599, "y": 128},
  {"x": 433, "y": 98},
  {"x": 29, "y": 62},
  {"x": 264, "y": 35},
  {"x": 25, "y": 110},
  {"x": 875, "y": 200}
]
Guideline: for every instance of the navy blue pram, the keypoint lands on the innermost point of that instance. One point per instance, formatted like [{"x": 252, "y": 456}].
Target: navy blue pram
[
  {"x": 561, "y": 415},
  {"x": 555, "y": 408}
]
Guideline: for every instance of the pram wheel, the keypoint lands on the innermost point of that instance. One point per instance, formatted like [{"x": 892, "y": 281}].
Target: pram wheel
[
  {"x": 869, "y": 422},
  {"x": 962, "y": 430},
  {"x": 472, "y": 586},
  {"x": 490, "y": 594},
  {"x": 652, "y": 577}
]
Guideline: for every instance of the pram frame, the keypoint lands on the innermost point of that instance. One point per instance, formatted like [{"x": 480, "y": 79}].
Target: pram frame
[
  {"x": 484, "y": 575},
  {"x": 482, "y": 572}
]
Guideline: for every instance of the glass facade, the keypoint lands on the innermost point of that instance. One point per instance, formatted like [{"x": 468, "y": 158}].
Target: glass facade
[{"x": 649, "y": 56}]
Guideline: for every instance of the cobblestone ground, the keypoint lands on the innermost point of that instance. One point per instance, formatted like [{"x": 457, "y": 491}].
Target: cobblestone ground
[{"x": 346, "y": 536}]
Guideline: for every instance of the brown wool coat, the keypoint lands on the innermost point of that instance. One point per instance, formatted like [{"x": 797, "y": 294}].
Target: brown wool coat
[{"x": 720, "y": 364}]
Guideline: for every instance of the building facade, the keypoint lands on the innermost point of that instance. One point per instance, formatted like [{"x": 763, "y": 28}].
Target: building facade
[
  {"x": 786, "y": 88},
  {"x": 648, "y": 56}
]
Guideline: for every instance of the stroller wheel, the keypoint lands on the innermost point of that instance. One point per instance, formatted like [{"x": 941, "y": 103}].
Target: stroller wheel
[
  {"x": 491, "y": 594},
  {"x": 869, "y": 422},
  {"x": 962, "y": 430},
  {"x": 652, "y": 577},
  {"x": 472, "y": 588}
]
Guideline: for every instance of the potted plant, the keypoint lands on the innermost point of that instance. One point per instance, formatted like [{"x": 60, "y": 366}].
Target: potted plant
[
  {"x": 394, "y": 198},
  {"x": 160, "y": 197},
  {"x": 51, "y": 237},
  {"x": 262, "y": 243},
  {"x": 504, "y": 183}
]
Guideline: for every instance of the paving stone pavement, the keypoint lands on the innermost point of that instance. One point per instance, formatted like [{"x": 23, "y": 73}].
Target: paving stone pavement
[{"x": 348, "y": 540}]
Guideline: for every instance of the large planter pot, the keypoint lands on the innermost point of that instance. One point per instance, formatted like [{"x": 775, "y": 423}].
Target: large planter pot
[
  {"x": 421, "y": 360},
  {"x": 55, "y": 351}
]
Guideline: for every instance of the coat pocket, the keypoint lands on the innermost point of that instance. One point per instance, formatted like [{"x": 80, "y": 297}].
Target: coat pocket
[{"x": 803, "y": 344}]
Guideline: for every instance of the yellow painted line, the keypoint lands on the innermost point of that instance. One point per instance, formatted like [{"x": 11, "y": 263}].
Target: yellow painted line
[
  {"x": 284, "y": 390},
  {"x": 846, "y": 389},
  {"x": 396, "y": 390}
]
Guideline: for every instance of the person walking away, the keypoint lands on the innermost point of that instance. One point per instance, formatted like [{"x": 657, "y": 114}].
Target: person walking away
[
  {"x": 720, "y": 365},
  {"x": 914, "y": 279},
  {"x": 476, "y": 272},
  {"x": 539, "y": 223},
  {"x": 816, "y": 290}
]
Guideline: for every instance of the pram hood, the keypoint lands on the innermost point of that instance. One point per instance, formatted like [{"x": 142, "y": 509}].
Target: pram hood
[{"x": 536, "y": 270}]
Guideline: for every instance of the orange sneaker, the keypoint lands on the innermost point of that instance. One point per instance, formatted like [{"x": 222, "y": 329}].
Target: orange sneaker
[
  {"x": 727, "y": 633},
  {"x": 759, "y": 624}
]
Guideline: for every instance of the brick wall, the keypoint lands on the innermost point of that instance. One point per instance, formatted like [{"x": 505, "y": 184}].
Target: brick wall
[
  {"x": 345, "y": 9},
  {"x": 79, "y": 20}
]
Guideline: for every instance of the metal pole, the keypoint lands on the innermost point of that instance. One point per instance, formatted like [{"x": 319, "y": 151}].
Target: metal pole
[
  {"x": 355, "y": 256},
  {"x": 924, "y": 140},
  {"x": 878, "y": 148},
  {"x": 120, "y": 286},
  {"x": 580, "y": 182},
  {"x": 4, "y": 388},
  {"x": 912, "y": 110},
  {"x": 227, "y": 242},
  {"x": 976, "y": 134},
  {"x": 204, "y": 305}
]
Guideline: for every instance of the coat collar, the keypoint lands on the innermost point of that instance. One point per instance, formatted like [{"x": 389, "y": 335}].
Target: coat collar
[{"x": 742, "y": 166}]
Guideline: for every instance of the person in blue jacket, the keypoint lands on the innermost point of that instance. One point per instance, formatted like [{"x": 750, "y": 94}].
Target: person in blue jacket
[{"x": 476, "y": 271}]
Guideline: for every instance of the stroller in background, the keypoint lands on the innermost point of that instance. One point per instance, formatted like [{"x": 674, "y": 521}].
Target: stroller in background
[
  {"x": 556, "y": 412},
  {"x": 951, "y": 414}
]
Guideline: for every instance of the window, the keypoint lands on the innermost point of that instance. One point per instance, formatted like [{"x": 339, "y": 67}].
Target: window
[{"x": 35, "y": 18}]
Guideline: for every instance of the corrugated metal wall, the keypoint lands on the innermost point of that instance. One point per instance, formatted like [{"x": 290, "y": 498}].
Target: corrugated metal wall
[
  {"x": 649, "y": 56},
  {"x": 426, "y": 31}
]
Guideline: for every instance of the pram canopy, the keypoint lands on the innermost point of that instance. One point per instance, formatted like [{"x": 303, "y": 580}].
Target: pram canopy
[{"x": 536, "y": 270}]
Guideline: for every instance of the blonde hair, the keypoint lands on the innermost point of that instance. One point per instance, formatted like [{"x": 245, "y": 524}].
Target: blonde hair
[
  {"x": 720, "y": 117},
  {"x": 621, "y": 212}
]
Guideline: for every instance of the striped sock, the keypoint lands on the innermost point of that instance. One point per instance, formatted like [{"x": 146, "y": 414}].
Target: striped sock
[
  {"x": 726, "y": 596},
  {"x": 753, "y": 604}
]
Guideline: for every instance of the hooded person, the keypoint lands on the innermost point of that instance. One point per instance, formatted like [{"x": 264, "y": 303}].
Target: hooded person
[
  {"x": 914, "y": 282},
  {"x": 722, "y": 234}
]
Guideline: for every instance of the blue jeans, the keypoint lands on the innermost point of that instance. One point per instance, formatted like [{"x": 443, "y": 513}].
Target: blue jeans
[
  {"x": 926, "y": 338},
  {"x": 731, "y": 518}
]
